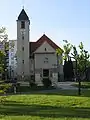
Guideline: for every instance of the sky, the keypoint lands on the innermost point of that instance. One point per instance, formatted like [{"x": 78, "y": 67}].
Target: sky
[{"x": 58, "y": 19}]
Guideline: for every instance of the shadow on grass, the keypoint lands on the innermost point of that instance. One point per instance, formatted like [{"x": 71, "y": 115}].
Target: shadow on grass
[
  {"x": 19, "y": 109},
  {"x": 35, "y": 88},
  {"x": 49, "y": 91},
  {"x": 84, "y": 93}
]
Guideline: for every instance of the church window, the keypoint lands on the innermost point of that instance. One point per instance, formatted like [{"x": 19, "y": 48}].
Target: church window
[
  {"x": 46, "y": 60},
  {"x": 22, "y": 25},
  {"x": 22, "y": 48},
  {"x": 45, "y": 49}
]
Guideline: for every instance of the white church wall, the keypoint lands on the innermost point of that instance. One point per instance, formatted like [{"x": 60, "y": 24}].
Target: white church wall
[
  {"x": 32, "y": 66},
  {"x": 38, "y": 79},
  {"x": 23, "y": 55},
  {"x": 45, "y": 61},
  {"x": 60, "y": 69},
  {"x": 54, "y": 79}
]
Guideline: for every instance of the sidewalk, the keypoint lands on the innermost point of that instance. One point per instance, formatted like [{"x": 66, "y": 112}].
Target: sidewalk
[{"x": 66, "y": 86}]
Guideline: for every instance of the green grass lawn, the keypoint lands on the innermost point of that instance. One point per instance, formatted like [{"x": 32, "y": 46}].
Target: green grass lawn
[{"x": 65, "y": 105}]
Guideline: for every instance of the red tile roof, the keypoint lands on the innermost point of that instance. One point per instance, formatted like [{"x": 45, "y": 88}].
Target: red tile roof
[{"x": 38, "y": 43}]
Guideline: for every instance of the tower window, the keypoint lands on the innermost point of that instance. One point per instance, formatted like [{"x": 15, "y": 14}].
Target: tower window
[
  {"x": 22, "y": 25},
  {"x": 22, "y": 37},
  {"x": 22, "y": 48}
]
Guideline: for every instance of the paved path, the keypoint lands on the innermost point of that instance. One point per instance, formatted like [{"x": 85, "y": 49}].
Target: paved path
[
  {"x": 61, "y": 86},
  {"x": 66, "y": 85}
]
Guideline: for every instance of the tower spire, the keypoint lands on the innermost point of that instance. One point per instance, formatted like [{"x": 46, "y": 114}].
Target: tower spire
[{"x": 23, "y": 15}]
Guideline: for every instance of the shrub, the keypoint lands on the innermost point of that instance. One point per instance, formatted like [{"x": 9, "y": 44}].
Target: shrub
[
  {"x": 32, "y": 84},
  {"x": 4, "y": 87}
]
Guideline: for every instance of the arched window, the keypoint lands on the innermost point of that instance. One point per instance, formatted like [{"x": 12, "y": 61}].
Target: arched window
[
  {"x": 45, "y": 49},
  {"x": 22, "y": 24}
]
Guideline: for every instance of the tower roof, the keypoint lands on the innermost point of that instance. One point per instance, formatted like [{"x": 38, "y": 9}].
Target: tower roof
[{"x": 23, "y": 15}]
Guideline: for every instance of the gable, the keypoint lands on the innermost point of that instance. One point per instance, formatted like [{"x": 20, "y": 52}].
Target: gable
[
  {"x": 45, "y": 47},
  {"x": 43, "y": 41}
]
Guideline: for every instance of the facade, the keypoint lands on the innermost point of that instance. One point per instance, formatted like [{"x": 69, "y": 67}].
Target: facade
[
  {"x": 12, "y": 58},
  {"x": 23, "y": 62},
  {"x": 44, "y": 60},
  {"x": 36, "y": 60}
]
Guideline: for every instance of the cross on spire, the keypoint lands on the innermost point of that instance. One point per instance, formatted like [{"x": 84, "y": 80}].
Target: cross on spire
[
  {"x": 23, "y": 3},
  {"x": 23, "y": 6}
]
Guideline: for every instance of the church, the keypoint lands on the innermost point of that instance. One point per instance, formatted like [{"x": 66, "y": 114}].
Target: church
[{"x": 36, "y": 60}]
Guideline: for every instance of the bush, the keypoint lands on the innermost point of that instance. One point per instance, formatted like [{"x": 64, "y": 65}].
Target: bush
[
  {"x": 46, "y": 82},
  {"x": 32, "y": 84},
  {"x": 4, "y": 87}
]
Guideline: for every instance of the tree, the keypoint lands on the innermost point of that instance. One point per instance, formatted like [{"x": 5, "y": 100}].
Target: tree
[
  {"x": 66, "y": 50},
  {"x": 67, "y": 47},
  {"x": 1, "y": 62},
  {"x": 68, "y": 70},
  {"x": 81, "y": 58},
  {"x": 3, "y": 48}
]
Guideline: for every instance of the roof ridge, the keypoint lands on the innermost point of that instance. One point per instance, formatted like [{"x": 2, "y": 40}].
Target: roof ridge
[{"x": 23, "y": 15}]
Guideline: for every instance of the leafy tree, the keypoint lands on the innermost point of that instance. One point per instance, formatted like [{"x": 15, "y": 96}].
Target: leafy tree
[
  {"x": 67, "y": 47},
  {"x": 66, "y": 50},
  {"x": 3, "y": 48},
  {"x": 1, "y": 62},
  {"x": 82, "y": 61},
  {"x": 81, "y": 58}
]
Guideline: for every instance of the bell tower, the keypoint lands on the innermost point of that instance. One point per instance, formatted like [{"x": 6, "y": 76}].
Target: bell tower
[{"x": 23, "y": 22}]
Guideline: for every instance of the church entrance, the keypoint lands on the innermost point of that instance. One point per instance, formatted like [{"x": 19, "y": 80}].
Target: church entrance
[
  {"x": 45, "y": 73},
  {"x": 46, "y": 81}
]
